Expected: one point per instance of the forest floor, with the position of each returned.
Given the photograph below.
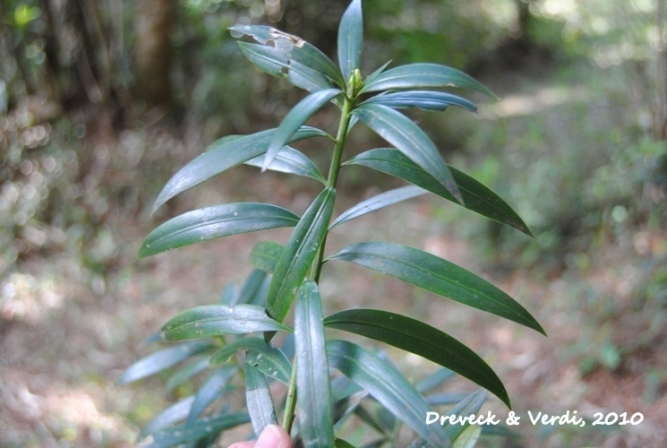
(67, 334)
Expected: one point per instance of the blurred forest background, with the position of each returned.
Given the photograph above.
(102, 100)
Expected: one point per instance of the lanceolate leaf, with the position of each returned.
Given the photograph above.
(387, 385)
(438, 276)
(421, 339)
(213, 388)
(174, 413)
(222, 156)
(215, 222)
(377, 202)
(295, 118)
(299, 254)
(434, 380)
(314, 393)
(258, 400)
(350, 37)
(291, 161)
(408, 138)
(186, 372)
(202, 428)
(470, 405)
(420, 75)
(270, 360)
(468, 438)
(465, 406)
(265, 255)
(217, 320)
(422, 99)
(251, 288)
(274, 63)
(163, 359)
(292, 48)
(476, 197)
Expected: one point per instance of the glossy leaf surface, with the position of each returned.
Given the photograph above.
(218, 320)
(222, 156)
(276, 64)
(270, 360)
(421, 339)
(291, 161)
(296, 117)
(293, 48)
(420, 75)
(258, 400)
(422, 99)
(377, 202)
(387, 385)
(350, 38)
(162, 360)
(299, 254)
(438, 276)
(314, 393)
(215, 222)
(476, 197)
(408, 138)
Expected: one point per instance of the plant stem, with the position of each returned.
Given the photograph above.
(290, 404)
(334, 168)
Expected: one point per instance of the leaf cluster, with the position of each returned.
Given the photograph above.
(328, 380)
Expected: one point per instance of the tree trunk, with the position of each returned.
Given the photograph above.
(152, 55)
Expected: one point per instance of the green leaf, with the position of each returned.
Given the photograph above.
(296, 117)
(222, 156)
(293, 48)
(215, 222)
(377, 202)
(202, 428)
(258, 400)
(265, 255)
(270, 360)
(421, 75)
(387, 385)
(476, 197)
(350, 39)
(276, 64)
(213, 388)
(218, 320)
(468, 438)
(186, 372)
(422, 99)
(162, 360)
(299, 254)
(251, 288)
(408, 138)
(421, 339)
(174, 413)
(434, 380)
(291, 161)
(438, 276)
(340, 443)
(314, 393)
(470, 405)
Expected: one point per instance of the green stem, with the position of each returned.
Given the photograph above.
(334, 168)
(290, 404)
